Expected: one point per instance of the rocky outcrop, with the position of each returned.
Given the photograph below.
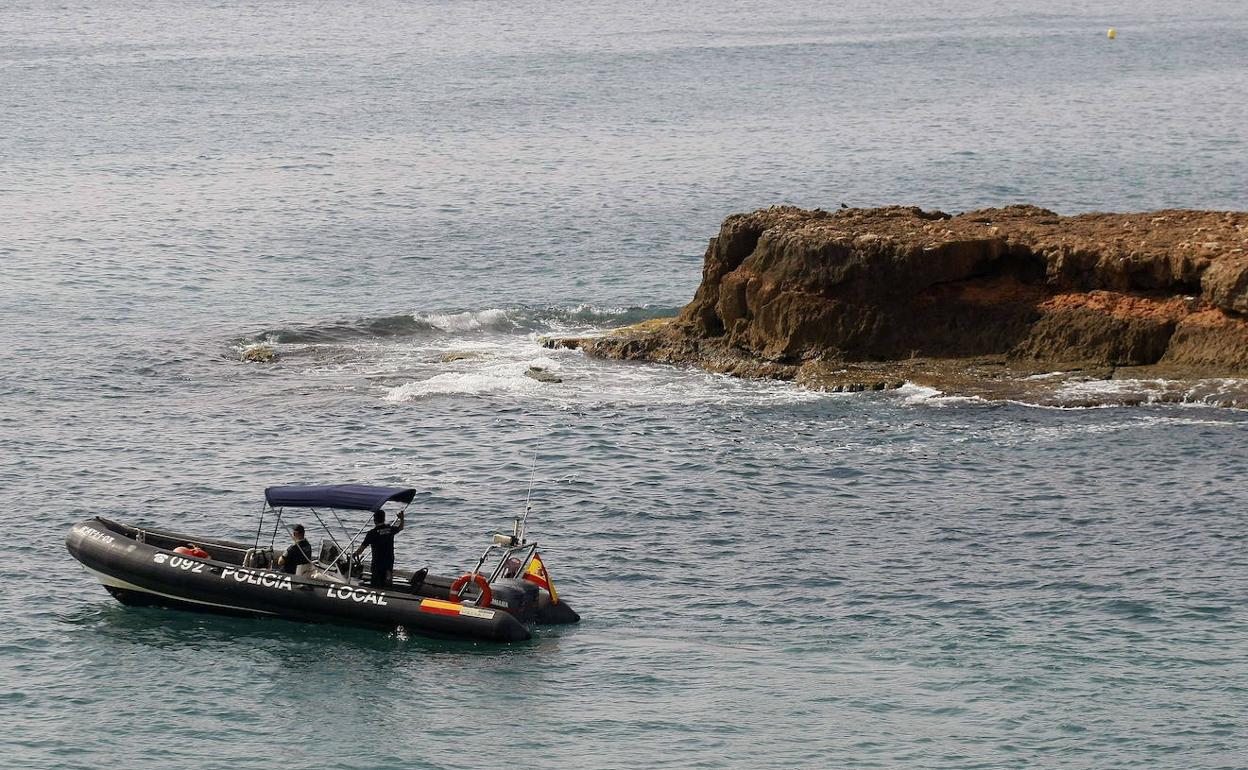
(801, 294)
(259, 354)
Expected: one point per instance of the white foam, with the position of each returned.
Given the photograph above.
(502, 346)
(586, 320)
(579, 319)
(1109, 388)
(477, 378)
(1204, 392)
(914, 395)
(500, 371)
(468, 321)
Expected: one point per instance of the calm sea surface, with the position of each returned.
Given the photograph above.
(768, 577)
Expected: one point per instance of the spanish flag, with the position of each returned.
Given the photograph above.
(537, 573)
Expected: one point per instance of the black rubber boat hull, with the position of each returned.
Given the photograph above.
(141, 574)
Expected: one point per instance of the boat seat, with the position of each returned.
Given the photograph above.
(418, 578)
(303, 570)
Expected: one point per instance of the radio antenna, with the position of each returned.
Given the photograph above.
(522, 526)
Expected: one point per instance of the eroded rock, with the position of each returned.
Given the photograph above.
(795, 294)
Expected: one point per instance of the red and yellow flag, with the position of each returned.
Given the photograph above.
(537, 573)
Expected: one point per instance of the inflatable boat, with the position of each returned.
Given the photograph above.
(501, 599)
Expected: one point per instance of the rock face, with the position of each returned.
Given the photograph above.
(787, 292)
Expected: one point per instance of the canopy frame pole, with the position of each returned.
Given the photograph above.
(351, 556)
(338, 519)
(277, 523)
(255, 546)
(333, 540)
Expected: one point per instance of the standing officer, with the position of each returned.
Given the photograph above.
(381, 539)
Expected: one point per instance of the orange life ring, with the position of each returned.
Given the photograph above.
(487, 595)
(197, 552)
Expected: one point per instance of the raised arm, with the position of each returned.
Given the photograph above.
(399, 522)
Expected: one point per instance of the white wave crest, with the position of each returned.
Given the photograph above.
(914, 395)
(244, 347)
(549, 318)
(468, 321)
(917, 394)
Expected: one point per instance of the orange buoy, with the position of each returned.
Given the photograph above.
(462, 581)
(192, 550)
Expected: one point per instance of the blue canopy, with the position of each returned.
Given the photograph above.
(351, 497)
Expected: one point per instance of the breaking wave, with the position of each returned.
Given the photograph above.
(521, 319)
(912, 394)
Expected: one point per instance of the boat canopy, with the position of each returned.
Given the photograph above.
(351, 497)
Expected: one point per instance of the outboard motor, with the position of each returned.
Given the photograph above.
(518, 597)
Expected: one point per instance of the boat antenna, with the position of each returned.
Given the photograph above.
(522, 523)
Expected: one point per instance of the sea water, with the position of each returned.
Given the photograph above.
(402, 198)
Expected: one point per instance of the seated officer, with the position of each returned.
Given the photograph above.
(299, 552)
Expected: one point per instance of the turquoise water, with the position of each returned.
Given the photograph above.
(768, 577)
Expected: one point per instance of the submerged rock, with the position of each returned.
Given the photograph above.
(260, 354)
(541, 374)
(861, 298)
(459, 355)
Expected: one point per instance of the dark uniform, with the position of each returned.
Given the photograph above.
(299, 552)
(381, 539)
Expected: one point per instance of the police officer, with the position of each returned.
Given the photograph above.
(381, 539)
(299, 551)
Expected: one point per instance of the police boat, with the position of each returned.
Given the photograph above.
(500, 599)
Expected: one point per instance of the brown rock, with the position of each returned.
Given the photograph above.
(785, 283)
(1018, 286)
(259, 354)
